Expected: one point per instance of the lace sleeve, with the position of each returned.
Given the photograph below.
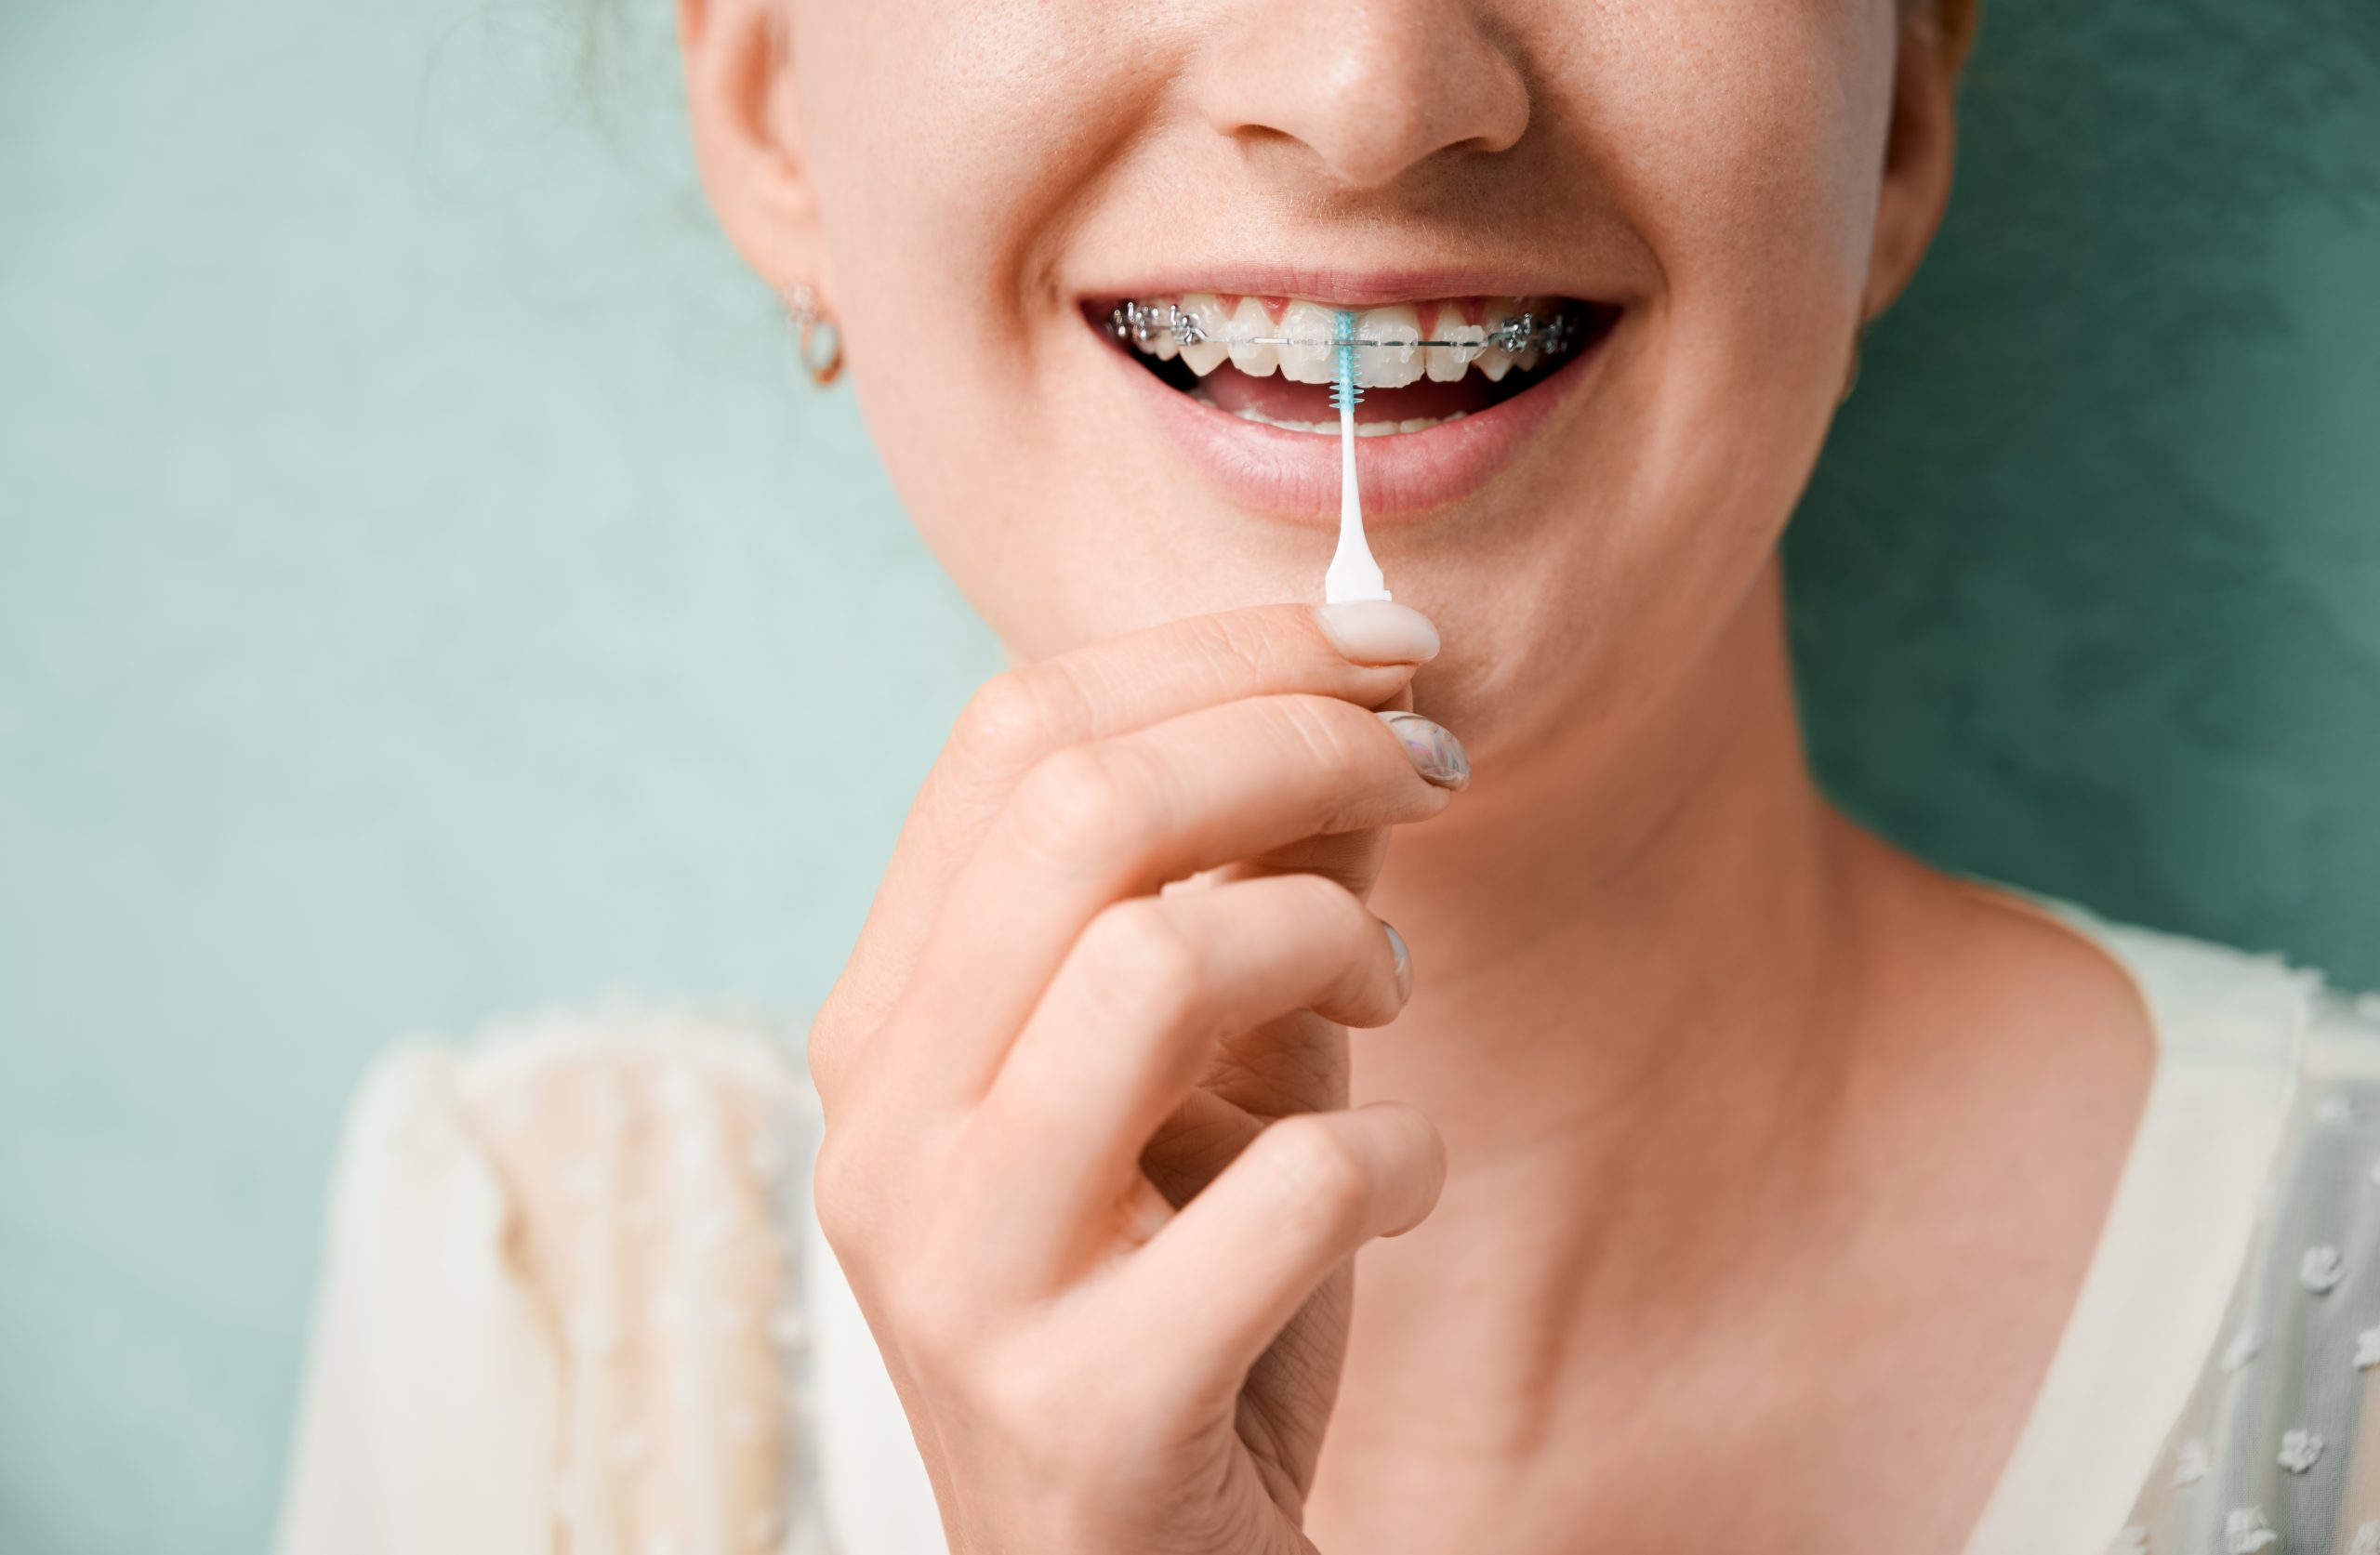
(2278, 1452)
(561, 1307)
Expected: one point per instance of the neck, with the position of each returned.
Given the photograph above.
(1636, 962)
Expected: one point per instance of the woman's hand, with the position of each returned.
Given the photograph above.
(1087, 1163)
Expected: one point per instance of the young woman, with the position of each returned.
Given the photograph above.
(1746, 1183)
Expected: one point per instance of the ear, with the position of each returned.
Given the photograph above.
(1919, 147)
(741, 102)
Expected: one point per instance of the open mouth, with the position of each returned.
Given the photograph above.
(1272, 360)
(1455, 388)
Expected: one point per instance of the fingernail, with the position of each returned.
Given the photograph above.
(1436, 753)
(1378, 631)
(1404, 961)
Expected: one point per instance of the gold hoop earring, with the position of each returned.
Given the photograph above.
(1851, 374)
(810, 320)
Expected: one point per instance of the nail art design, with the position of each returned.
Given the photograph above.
(1404, 960)
(1436, 753)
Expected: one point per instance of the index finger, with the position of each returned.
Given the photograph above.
(1364, 651)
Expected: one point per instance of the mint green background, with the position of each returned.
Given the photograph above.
(425, 591)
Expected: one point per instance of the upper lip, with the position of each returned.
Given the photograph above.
(1350, 288)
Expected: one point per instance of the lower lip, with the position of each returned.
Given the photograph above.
(1402, 474)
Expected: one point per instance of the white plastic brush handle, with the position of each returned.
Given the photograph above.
(1353, 575)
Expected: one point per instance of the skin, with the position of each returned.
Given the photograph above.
(1767, 1160)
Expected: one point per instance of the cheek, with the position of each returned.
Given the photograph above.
(1749, 139)
(940, 128)
(1750, 145)
(1741, 141)
(1743, 122)
(953, 144)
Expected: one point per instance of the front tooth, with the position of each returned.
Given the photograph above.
(1208, 354)
(1389, 366)
(1249, 322)
(1448, 363)
(1313, 328)
(1493, 362)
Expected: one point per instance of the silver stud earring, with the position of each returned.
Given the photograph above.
(820, 339)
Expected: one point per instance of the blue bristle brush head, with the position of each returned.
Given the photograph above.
(1346, 394)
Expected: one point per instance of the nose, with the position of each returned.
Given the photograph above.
(1368, 88)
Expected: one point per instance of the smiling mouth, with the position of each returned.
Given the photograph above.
(1422, 365)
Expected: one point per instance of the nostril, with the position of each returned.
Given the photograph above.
(1370, 95)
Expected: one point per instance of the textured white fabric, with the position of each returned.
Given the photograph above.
(2275, 1449)
(428, 1418)
(2229, 1032)
(877, 1499)
(444, 1396)
(561, 1311)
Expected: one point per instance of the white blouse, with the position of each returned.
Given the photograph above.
(574, 1299)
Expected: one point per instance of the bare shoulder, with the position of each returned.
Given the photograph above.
(2032, 991)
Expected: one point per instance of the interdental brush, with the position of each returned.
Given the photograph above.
(1353, 575)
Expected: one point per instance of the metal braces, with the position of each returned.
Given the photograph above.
(1140, 323)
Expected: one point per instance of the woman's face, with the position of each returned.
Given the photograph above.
(1711, 191)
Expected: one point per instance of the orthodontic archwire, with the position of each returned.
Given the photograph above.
(1139, 322)
(1352, 573)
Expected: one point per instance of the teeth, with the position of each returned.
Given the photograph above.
(1249, 322)
(1330, 429)
(1495, 363)
(1449, 364)
(1392, 356)
(1388, 366)
(1312, 325)
(1208, 354)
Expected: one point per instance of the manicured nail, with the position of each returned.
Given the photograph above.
(1378, 631)
(1436, 753)
(1404, 962)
